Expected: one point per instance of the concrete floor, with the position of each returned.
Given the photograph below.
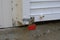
(50, 31)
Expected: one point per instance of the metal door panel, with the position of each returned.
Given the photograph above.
(50, 9)
(47, 17)
(43, 0)
(46, 10)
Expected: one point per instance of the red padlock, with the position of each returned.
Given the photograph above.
(32, 27)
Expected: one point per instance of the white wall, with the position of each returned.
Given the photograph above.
(5, 13)
(1, 13)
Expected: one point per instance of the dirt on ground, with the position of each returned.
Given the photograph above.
(49, 31)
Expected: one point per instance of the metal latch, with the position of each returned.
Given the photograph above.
(26, 19)
(30, 20)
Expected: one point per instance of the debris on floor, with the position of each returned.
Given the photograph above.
(42, 32)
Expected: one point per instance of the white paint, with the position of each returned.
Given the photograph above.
(26, 8)
(50, 9)
(1, 16)
(43, 0)
(43, 4)
(5, 13)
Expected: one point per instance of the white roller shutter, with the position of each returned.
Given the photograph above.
(50, 9)
(41, 10)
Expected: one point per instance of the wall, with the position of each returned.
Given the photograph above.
(17, 12)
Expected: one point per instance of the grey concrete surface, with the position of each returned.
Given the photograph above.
(50, 31)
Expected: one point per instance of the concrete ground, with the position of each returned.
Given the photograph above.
(49, 31)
